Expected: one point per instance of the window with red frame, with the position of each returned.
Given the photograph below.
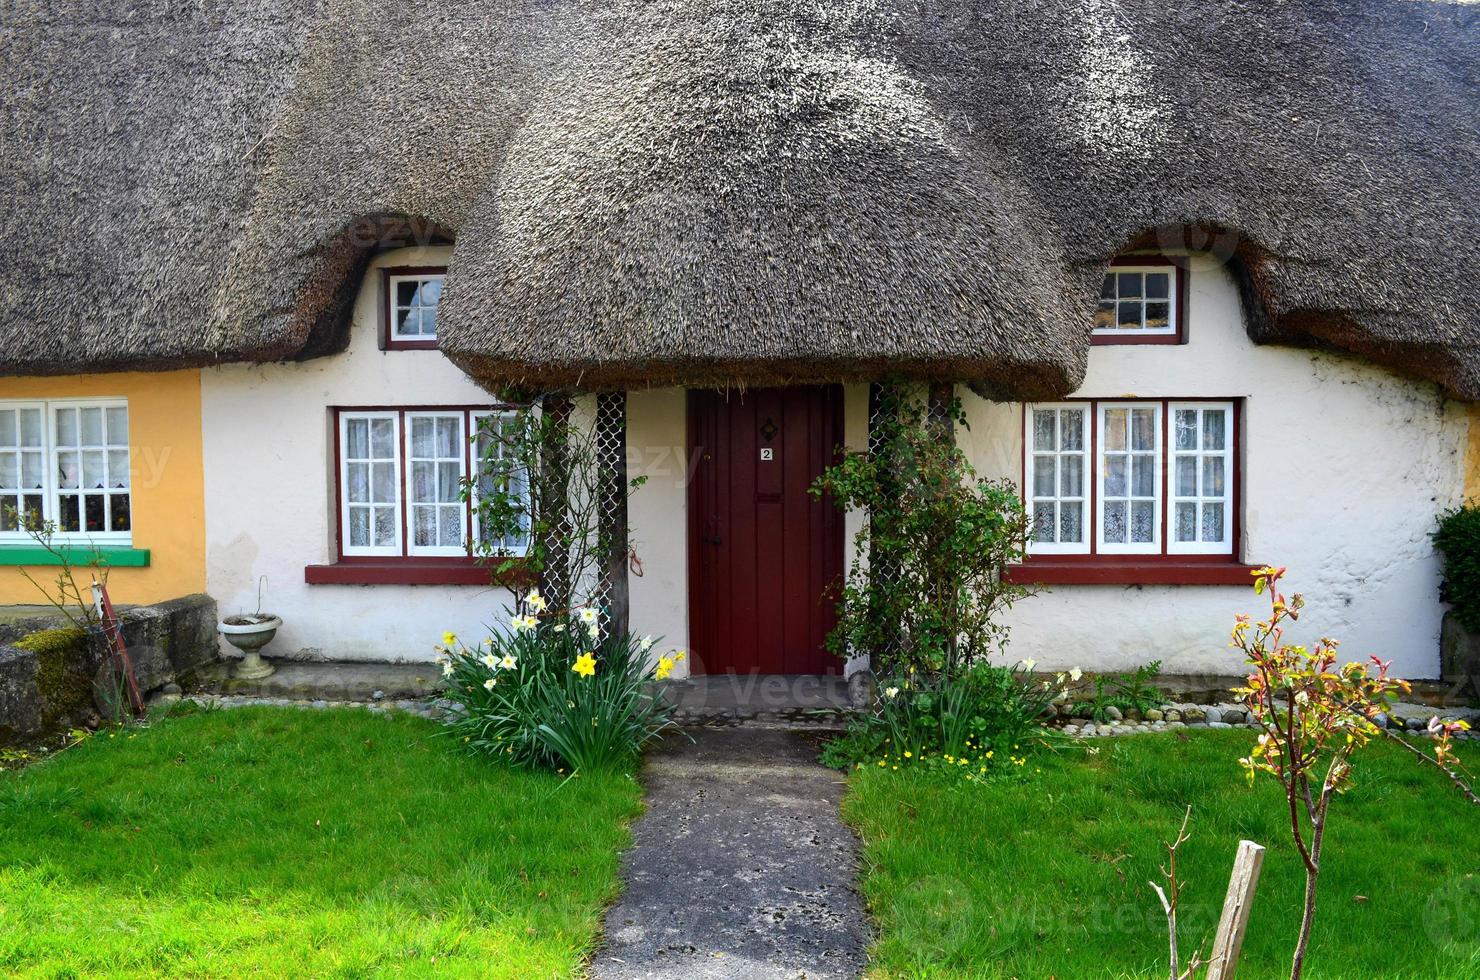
(1143, 300)
(401, 474)
(1122, 479)
(409, 302)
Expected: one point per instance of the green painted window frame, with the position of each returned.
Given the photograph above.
(114, 556)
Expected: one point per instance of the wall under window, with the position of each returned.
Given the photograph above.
(166, 491)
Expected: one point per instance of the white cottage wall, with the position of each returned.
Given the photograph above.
(1345, 466)
(270, 492)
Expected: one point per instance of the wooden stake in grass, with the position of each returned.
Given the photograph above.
(1235, 919)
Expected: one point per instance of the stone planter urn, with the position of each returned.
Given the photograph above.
(250, 634)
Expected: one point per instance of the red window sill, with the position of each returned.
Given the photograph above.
(1100, 571)
(406, 572)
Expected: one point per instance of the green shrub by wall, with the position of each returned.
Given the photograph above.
(1458, 540)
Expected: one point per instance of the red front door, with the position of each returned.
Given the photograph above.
(764, 556)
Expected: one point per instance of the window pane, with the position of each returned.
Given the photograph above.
(1158, 316)
(1186, 428)
(34, 517)
(67, 472)
(1071, 476)
(431, 292)
(1143, 429)
(383, 438)
(1043, 476)
(383, 486)
(1213, 425)
(1129, 317)
(449, 437)
(1105, 316)
(423, 481)
(67, 426)
(1071, 429)
(93, 509)
(1107, 288)
(32, 467)
(1212, 522)
(8, 431)
(1043, 431)
(424, 526)
(357, 439)
(406, 292)
(357, 482)
(359, 527)
(385, 526)
(1187, 476)
(1158, 285)
(1071, 523)
(1115, 429)
(10, 471)
(118, 512)
(408, 323)
(1186, 523)
(1143, 517)
(1043, 517)
(118, 468)
(10, 512)
(449, 530)
(118, 427)
(1115, 476)
(421, 437)
(92, 427)
(449, 481)
(93, 472)
(70, 517)
(429, 322)
(1212, 476)
(1115, 522)
(1129, 284)
(1143, 476)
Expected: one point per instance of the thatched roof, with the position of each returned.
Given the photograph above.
(734, 191)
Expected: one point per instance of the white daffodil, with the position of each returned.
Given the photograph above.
(489, 661)
(488, 684)
(447, 669)
(646, 644)
(508, 663)
(1075, 674)
(588, 615)
(891, 692)
(1028, 665)
(558, 627)
(535, 601)
(593, 631)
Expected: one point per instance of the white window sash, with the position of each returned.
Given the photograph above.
(1200, 547)
(371, 550)
(1029, 495)
(394, 307)
(517, 549)
(409, 503)
(1172, 299)
(1158, 463)
(51, 491)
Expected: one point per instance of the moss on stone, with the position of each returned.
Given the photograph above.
(62, 674)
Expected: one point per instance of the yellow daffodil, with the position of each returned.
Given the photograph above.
(665, 667)
(448, 639)
(585, 665)
(677, 656)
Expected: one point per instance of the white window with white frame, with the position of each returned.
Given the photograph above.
(1201, 479)
(401, 480)
(1058, 477)
(1131, 478)
(492, 433)
(413, 306)
(65, 462)
(1138, 300)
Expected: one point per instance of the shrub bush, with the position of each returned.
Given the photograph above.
(1458, 540)
(982, 721)
(548, 692)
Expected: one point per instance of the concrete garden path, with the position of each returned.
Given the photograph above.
(741, 866)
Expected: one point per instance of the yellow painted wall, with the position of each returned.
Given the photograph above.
(168, 488)
(1472, 455)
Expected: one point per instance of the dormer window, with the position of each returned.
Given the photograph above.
(411, 297)
(1142, 301)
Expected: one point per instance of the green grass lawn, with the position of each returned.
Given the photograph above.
(301, 843)
(1049, 877)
